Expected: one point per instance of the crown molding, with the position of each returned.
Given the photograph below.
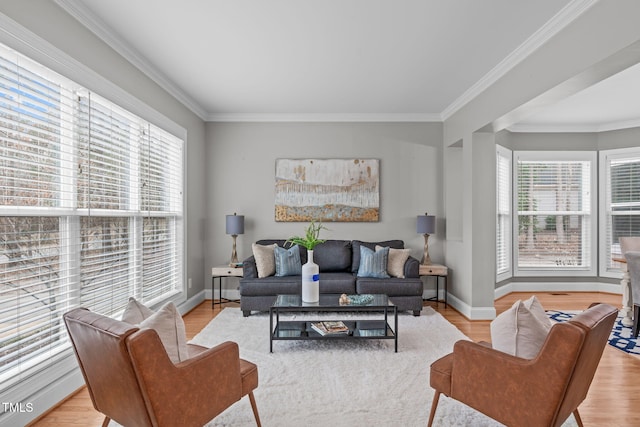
(558, 22)
(574, 128)
(322, 117)
(82, 14)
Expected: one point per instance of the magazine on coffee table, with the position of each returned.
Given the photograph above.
(328, 328)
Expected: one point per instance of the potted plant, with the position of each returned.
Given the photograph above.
(310, 239)
(310, 271)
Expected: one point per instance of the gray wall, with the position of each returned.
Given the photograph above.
(240, 178)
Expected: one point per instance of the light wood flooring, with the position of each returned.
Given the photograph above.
(612, 399)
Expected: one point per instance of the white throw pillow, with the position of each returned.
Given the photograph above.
(396, 261)
(518, 332)
(265, 259)
(535, 307)
(135, 312)
(169, 325)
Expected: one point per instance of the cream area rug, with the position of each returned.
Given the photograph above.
(342, 383)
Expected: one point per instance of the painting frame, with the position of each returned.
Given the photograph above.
(327, 190)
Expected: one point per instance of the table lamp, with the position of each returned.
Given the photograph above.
(426, 225)
(235, 226)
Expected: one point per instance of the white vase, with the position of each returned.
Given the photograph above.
(310, 280)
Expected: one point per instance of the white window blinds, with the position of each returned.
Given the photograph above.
(555, 203)
(91, 211)
(503, 212)
(621, 207)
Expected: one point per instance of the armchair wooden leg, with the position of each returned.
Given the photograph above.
(255, 409)
(576, 415)
(434, 405)
(106, 421)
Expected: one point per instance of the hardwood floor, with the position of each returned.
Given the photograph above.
(612, 399)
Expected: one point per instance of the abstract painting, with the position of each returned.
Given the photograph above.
(341, 190)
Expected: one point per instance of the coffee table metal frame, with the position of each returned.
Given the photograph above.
(329, 303)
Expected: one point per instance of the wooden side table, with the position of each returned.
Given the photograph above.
(437, 271)
(218, 273)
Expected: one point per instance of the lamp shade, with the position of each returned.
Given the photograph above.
(426, 224)
(235, 224)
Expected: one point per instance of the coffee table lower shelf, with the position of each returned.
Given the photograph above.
(358, 330)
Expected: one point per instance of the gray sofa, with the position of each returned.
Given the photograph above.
(338, 261)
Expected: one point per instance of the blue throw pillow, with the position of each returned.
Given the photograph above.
(373, 264)
(287, 261)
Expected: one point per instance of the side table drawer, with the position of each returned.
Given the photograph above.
(226, 271)
(433, 270)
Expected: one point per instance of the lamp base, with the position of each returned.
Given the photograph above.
(426, 260)
(234, 254)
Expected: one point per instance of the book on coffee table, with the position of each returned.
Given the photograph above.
(328, 328)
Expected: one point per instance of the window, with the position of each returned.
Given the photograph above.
(555, 201)
(91, 211)
(503, 213)
(620, 189)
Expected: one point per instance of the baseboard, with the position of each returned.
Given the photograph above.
(233, 294)
(471, 313)
(192, 302)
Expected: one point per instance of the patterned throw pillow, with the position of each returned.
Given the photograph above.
(288, 261)
(265, 259)
(397, 259)
(373, 264)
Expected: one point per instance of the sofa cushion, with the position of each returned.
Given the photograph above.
(265, 259)
(272, 285)
(373, 264)
(397, 259)
(355, 262)
(391, 287)
(333, 255)
(337, 283)
(287, 261)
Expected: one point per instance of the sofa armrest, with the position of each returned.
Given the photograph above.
(412, 268)
(249, 269)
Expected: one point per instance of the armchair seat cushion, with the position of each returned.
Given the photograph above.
(440, 378)
(249, 374)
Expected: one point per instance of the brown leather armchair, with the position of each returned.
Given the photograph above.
(519, 392)
(132, 380)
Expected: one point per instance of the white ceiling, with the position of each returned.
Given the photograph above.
(405, 60)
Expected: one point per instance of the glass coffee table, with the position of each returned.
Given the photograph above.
(357, 329)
